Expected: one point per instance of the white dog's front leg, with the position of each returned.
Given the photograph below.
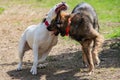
(35, 63)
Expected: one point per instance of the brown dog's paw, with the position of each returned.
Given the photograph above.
(41, 66)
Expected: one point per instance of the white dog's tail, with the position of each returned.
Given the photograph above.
(21, 49)
(22, 43)
(23, 46)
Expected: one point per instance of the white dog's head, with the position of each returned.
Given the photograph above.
(56, 9)
(53, 13)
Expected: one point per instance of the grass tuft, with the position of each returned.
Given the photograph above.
(1, 10)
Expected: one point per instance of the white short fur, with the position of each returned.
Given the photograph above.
(39, 39)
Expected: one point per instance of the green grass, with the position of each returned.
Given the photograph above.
(108, 11)
(110, 30)
(113, 33)
(1, 10)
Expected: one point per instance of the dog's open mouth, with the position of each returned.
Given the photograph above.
(61, 7)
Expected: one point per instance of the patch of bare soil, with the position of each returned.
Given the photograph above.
(64, 61)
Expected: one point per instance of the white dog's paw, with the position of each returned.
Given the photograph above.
(42, 65)
(19, 67)
(33, 70)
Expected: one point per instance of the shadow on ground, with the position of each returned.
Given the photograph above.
(68, 66)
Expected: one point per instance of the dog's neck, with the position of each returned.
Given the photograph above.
(67, 30)
(47, 20)
(46, 23)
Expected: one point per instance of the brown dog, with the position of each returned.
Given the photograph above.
(82, 26)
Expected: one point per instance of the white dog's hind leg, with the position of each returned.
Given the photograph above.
(43, 58)
(21, 54)
(21, 51)
(35, 63)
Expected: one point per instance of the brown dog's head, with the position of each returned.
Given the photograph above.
(59, 24)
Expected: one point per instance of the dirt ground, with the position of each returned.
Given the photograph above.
(64, 61)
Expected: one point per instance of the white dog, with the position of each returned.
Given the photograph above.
(39, 39)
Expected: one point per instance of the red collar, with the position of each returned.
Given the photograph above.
(67, 30)
(46, 23)
(68, 27)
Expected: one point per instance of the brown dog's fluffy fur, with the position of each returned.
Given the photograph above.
(84, 28)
